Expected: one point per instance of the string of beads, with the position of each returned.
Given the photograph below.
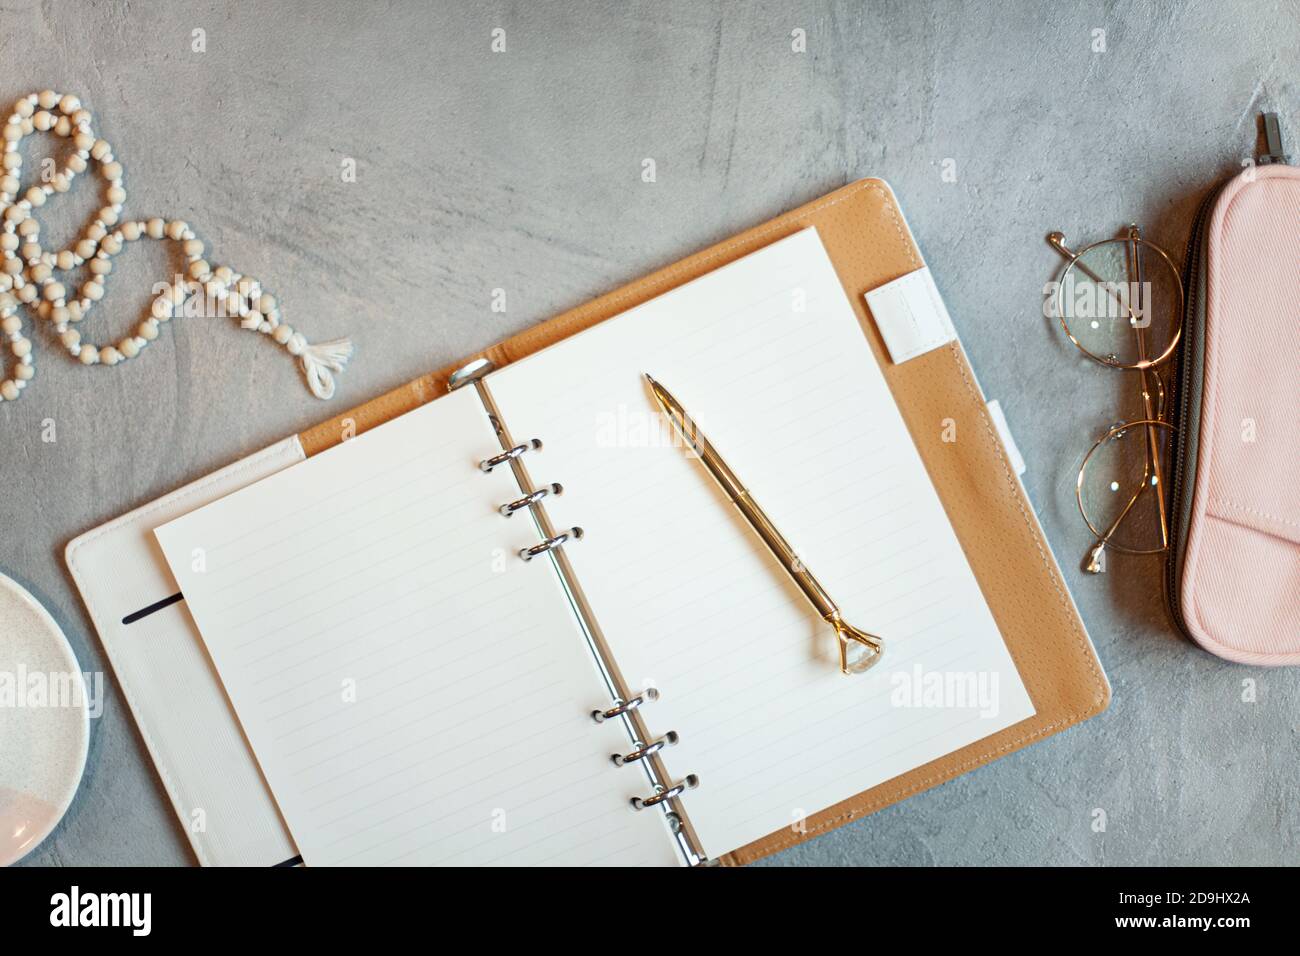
(31, 275)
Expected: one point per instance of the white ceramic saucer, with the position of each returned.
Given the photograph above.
(44, 723)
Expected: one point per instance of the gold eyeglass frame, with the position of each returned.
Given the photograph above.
(1154, 406)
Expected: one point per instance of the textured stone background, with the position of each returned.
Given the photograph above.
(521, 170)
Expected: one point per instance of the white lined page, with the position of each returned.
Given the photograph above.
(413, 691)
(768, 357)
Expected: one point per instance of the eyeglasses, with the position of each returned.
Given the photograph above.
(1120, 301)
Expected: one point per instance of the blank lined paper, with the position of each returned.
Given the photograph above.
(768, 357)
(414, 692)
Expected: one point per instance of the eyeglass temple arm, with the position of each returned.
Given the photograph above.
(1120, 517)
(1094, 555)
(1152, 466)
(1057, 241)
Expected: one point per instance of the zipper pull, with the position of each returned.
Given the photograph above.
(1273, 142)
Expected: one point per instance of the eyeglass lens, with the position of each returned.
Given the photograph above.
(1120, 490)
(1121, 301)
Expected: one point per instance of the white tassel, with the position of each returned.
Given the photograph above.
(319, 360)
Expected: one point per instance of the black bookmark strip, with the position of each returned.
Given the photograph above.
(158, 606)
(155, 606)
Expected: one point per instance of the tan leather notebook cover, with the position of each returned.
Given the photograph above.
(869, 243)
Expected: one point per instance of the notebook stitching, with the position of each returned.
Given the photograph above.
(999, 450)
(1009, 745)
(692, 262)
(92, 604)
(166, 499)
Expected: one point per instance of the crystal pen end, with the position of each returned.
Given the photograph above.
(859, 651)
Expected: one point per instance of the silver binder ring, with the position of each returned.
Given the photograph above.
(550, 544)
(663, 796)
(554, 488)
(649, 695)
(648, 750)
(487, 464)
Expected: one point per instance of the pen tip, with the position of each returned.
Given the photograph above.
(649, 378)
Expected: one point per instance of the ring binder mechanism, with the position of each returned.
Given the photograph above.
(641, 753)
(551, 543)
(670, 793)
(625, 706)
(553, 489)
(510, 454)
(664, 794)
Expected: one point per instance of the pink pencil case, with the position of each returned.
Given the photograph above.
(1234, 560)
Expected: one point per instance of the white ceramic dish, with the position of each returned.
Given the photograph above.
(44, 723)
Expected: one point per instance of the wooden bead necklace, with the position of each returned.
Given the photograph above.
(29, 275)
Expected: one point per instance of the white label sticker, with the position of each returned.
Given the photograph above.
(1004, 432)
(911, 315)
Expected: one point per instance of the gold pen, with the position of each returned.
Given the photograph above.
(867, 648)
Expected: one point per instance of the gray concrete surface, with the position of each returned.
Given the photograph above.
(521, 170)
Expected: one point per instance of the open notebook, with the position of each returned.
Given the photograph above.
(414, 692)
